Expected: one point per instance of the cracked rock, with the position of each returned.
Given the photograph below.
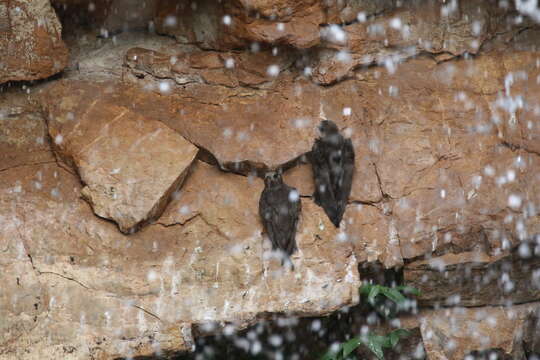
(31, 41)
(205, 260)
(130, 164)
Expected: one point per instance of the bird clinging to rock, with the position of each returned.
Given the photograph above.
(279, 209)
(332, 158)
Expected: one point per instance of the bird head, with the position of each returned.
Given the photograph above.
(328, 127)
(273, 178)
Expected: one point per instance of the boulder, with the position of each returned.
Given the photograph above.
(505, 332)
(94, 292)
(31, 41)
(130, 164)
(422, 157)
(475, 278)
(23, 132)
(231, 25)
(231, 108)
(443, 29)
(106, 18)
(426, 145)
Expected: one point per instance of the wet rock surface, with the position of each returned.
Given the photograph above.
(446, 186)
(130, 164)
(31, 41)
(498, 330)
(23, 133)
(474, 278)
(203, 261)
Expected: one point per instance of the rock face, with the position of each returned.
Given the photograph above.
(229, 25)
(130, 164)
(504, 332)
(23, 134)
(431, 27)
(31, 41)
(439, 99)
(234, 124)
(103, 294)
(342, 35)
(106, 17)
(474, 278)
(425, 176)
(416, 175)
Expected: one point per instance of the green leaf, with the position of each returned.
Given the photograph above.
(331, 355)
(393, 294)
(375, 343)
(409, 290)
(375, 290)
(365, 289)
(350, 346)
(395, 335)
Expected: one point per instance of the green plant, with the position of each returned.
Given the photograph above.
(387, 302)
(375, 343)
(378, 295)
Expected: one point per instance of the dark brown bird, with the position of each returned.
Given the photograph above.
(332, 158)
(279, 209)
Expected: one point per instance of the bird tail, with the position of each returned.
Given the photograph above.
(287, 262)
(285, 258)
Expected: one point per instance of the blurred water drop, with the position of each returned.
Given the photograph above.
(229, 63)
(273, 70)
(227, 20)
(361, 17)
(395, 23)
(170, 21)
(514, 201)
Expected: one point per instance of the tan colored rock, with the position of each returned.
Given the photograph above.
(516, 109)
(22, 296)
(426, 144)
(31, 41)
(439, 157)
(241, 23)
(76, 319)
(298, 26)
(434, 27)
(475, 278)
(454, 333)
(23, 132)
(199, 23)
(508, 332)
(104, 294)
(424, 137)
(347, 11)
(374, 235)
(200, 69)
(258, 138)
(232, 25)
(106, 18)
(130, 164)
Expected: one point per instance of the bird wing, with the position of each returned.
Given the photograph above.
(348, 169)
(345, 183)
(295, 210)
(287, 219)
(323, 194)
(267, 214)
(280, 217)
